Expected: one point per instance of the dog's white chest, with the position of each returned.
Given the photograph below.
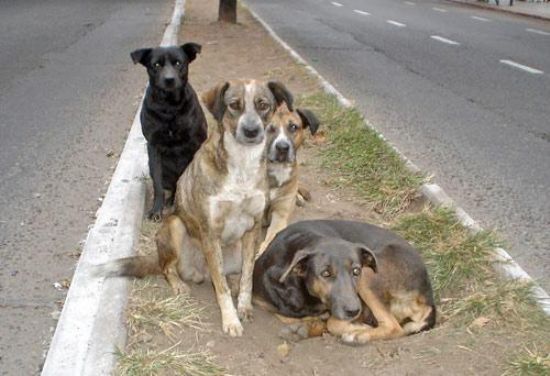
(280, 173)
(240, 203)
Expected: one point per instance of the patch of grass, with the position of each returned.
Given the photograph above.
(530, 362)
(457, 260)
(151, 311)
(166, 362)
(362, 158)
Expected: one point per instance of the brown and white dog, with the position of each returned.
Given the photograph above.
(285, 135)
(220, 201)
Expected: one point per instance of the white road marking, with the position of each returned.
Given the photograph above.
(362, 12)
(440, 10)
(536, 31)
(336, 4)
(444, 40)
(410, 3)
(480, 18)
(395, 23)
(521, 66)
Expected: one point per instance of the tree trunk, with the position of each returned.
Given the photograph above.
(228, 11)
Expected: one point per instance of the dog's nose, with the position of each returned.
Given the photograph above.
(282, 147)
(351, 313)
(251, 132)
(169, 81)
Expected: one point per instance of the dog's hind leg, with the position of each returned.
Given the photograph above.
(214, 258)
(169, 241)
(249, 244)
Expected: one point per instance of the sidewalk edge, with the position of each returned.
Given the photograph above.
(504, 263)
(501, 8)
(92, 327)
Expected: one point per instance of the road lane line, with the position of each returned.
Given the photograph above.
(537, 31)
(362, 12)
(410, 3)
(395, 23)
(521, 66)
(336, 4)
(445, 40)
(480, 18)
(440, 10)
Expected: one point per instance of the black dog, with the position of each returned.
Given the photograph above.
(361, 275)
(172, 119)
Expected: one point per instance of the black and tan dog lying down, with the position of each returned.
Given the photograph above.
(369, 282)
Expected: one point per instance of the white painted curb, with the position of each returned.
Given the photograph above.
(92, 326)
(504, 263)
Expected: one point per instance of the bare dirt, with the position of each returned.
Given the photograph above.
(245, 50)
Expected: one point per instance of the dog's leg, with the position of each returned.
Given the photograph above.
(249, 244)
(214, 258)
(299, 329)
(169, 241)
(155, 169)
(340, 327)
(279, 220)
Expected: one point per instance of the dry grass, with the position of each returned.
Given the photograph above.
(530, 362)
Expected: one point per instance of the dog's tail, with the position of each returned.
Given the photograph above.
(135, 266)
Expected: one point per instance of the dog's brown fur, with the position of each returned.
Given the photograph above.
(282, 174)
(220, 201)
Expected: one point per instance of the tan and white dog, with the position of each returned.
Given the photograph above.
(285, 135)
(220, 201)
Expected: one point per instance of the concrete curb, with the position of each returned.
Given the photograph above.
(504, 264)
(502, 8)
(91, 326)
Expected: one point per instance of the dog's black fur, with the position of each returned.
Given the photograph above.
(172, 119)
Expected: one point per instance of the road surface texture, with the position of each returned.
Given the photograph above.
(463, 92)
(68, 93)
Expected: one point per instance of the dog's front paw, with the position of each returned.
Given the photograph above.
(155, 215)
(233, 327)
(180, 287)
(245, 312)
(356, 338)
(294, 332)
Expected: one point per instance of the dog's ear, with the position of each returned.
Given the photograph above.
(141, 56)
(309, 119)
(281, 94)
(213, 100)
(367, 257)
(297, 265)
(191, 50)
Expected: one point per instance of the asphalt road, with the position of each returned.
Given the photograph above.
(68, 93)
(429, 76)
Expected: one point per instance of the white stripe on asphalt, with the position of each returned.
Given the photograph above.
(410, 3)
(521, 66)
(361, 12)
(440, 10)
(481, 18)
(444, 40)
(536, 31)
(336, 4)
(395, 23)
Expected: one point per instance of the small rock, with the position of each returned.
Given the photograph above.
(283, 350)
(210, 344)
(480, 322)
(55, 315)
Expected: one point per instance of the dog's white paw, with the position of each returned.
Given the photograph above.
(234, 328)
(180, 288)
(355, 338)
(245, 312)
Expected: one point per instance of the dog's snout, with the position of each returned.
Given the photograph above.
(169, 81)
(251, 131)
(282, 147)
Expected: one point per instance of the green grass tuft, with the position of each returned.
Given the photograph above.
(167, 362)
(362, 158)
(530, 362)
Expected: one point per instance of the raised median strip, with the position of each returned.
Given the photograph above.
(91, 326)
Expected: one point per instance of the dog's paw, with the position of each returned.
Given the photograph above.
(180, 288)
(233, 327)
(246, 312)
(355, 338)
(294, 332)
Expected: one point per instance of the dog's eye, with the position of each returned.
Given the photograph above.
(235, 105)
(271, 128)
(156, 65)
(325, 274)
(292, 127)
(263, 106)
(177, 63)
(356, 271)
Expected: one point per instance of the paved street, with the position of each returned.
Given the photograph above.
(463, 92)
(68, 93)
